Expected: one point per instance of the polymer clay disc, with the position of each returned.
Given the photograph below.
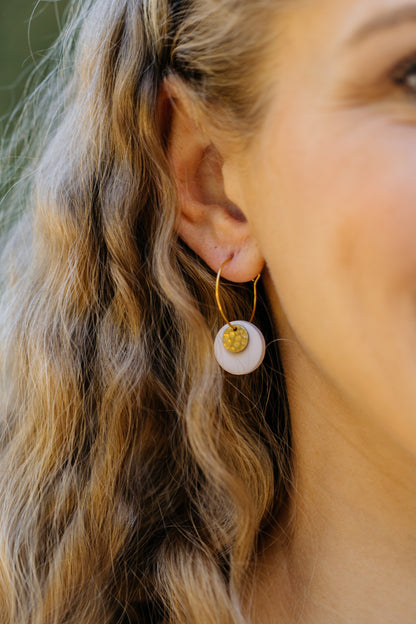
(246, 360)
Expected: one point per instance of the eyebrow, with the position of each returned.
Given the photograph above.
(389, 20)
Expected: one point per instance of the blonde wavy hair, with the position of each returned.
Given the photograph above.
(137, 479)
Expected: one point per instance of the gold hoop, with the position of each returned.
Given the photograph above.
(217, 295)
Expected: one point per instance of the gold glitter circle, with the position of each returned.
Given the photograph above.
(235, 339)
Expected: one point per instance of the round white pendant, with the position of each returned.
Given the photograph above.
(245, 361)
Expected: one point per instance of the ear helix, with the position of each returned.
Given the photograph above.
(239, 346)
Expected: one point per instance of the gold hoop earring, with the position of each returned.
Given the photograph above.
(239, 346)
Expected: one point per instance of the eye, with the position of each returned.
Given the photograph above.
(405, 75)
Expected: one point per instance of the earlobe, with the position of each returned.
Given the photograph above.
(209, 222)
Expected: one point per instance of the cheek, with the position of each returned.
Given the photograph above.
(341, 213)
(336, 220)
(374, 194)
(372, 245)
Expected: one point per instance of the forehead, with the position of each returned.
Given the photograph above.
(349, 19)
(316, 37)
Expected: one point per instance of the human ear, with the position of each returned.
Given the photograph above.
(209, 222)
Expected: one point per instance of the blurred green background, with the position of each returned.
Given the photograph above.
(27, 28)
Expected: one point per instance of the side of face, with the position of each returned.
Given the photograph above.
(329, 191)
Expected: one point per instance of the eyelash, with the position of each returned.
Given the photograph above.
(402, 73)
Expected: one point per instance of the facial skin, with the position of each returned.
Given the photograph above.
(328, 188)
(330, 192)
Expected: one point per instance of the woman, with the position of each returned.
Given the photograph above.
(140, 481)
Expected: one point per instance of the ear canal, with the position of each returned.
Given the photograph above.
(235, 212)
